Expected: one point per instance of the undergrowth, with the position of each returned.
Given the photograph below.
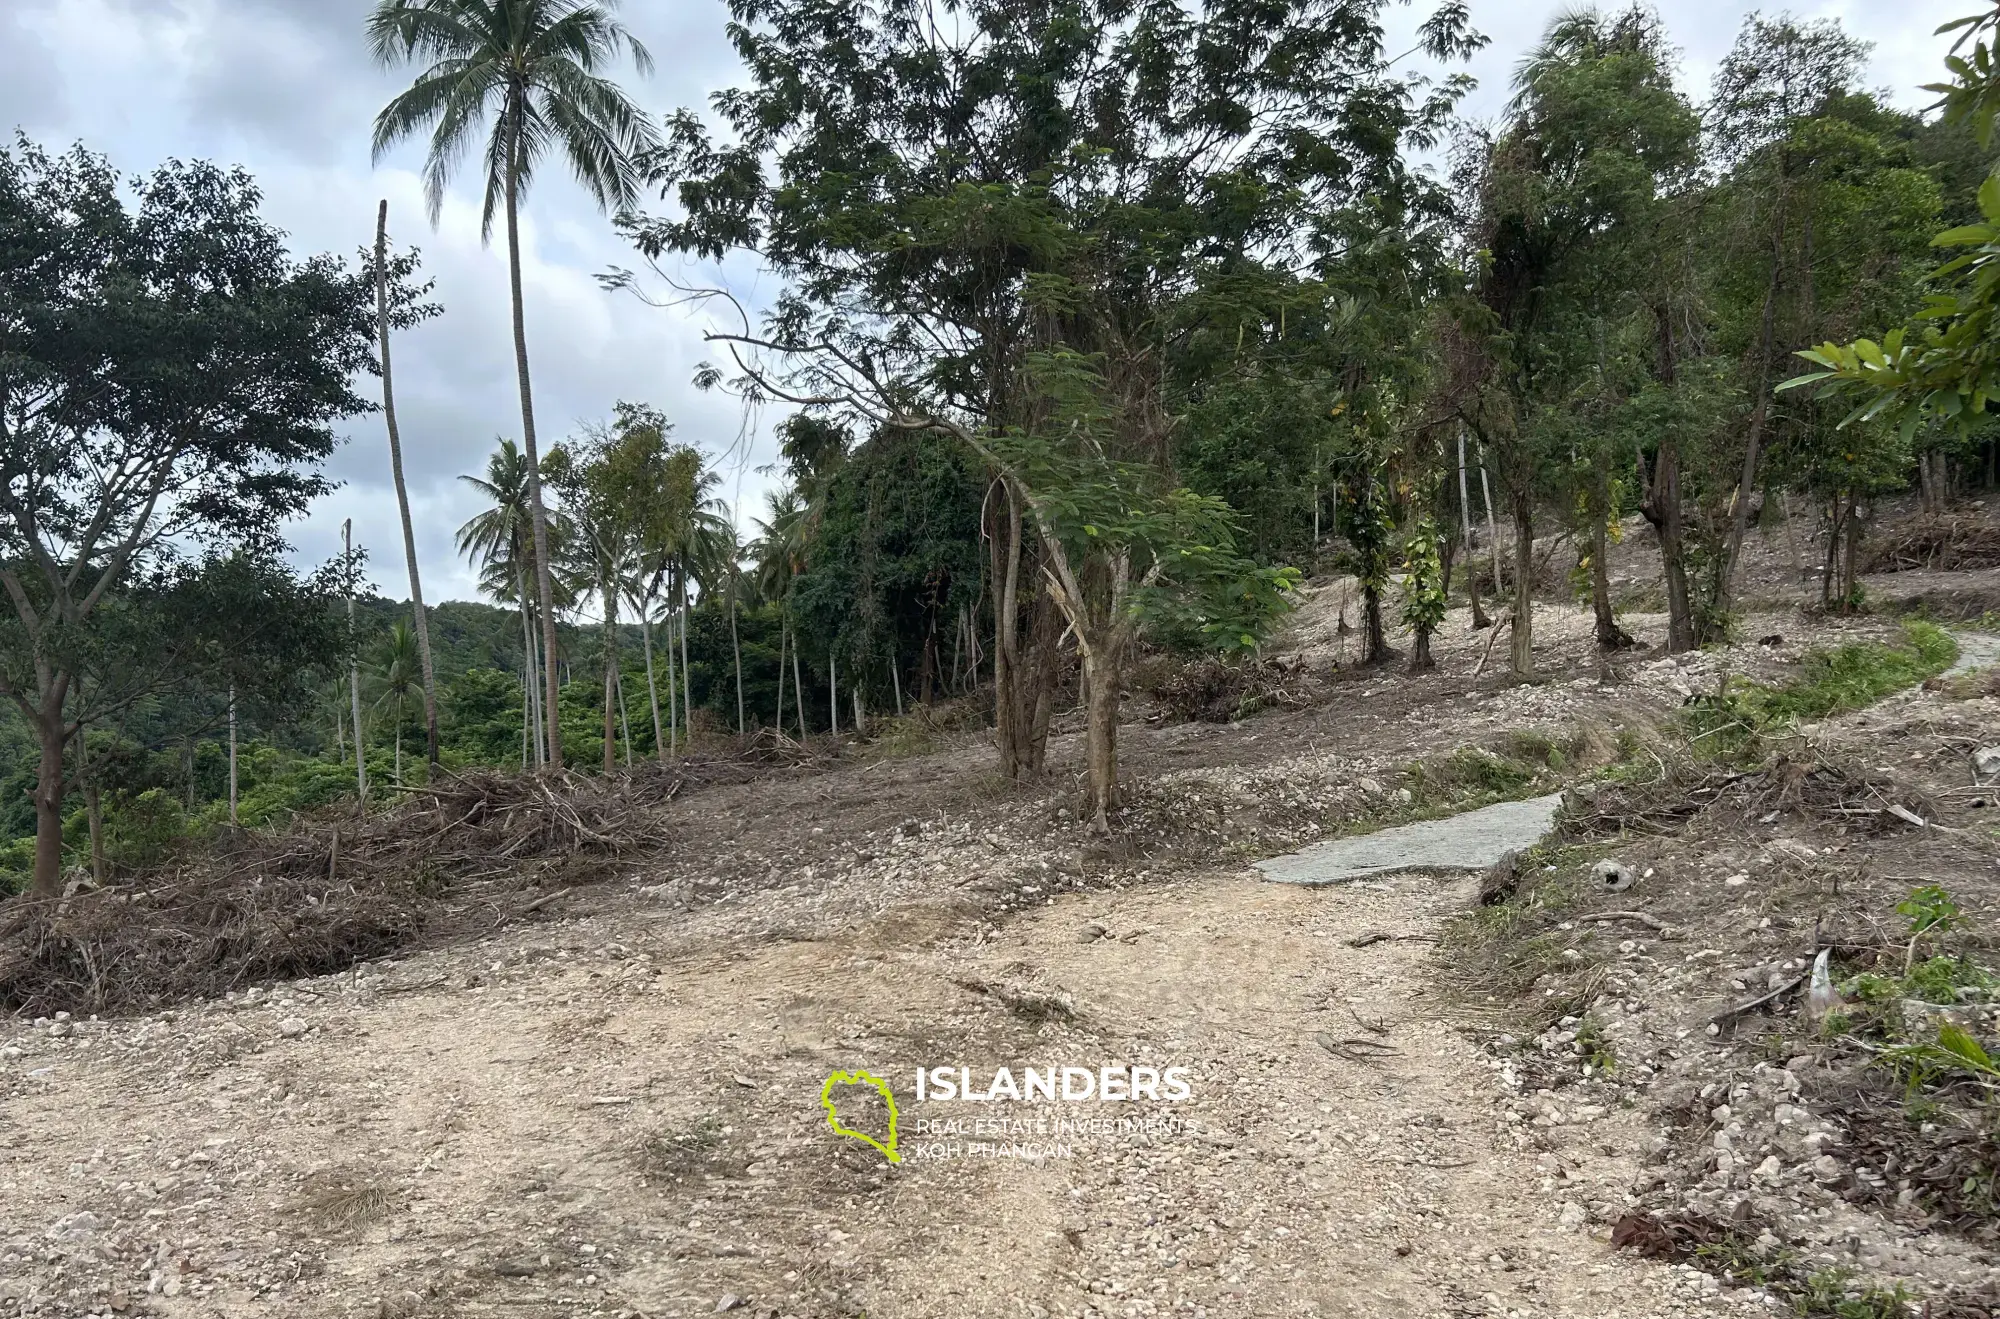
(1732, 724)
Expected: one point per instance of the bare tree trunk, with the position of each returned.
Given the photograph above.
(833, 693)
(1102, 683)
(784, 636)
(353, 681)
(736, 644)
(531, 674)
(687, 669)
(1610, 636)
(1009, 736)
(1479, 619)
(402, 491)
(1739, 521)
(896, 683)
(93, 800)
(624, 717)
(798, 686)
(538, 512)
(1492, 527)
(652, 686)
(1522, 642)
(53, 737)
(610, 672)
(1662, 508)
(1851, 557)
(232, 754)
(673, 692)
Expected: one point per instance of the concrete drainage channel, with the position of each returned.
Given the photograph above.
(1478, 839)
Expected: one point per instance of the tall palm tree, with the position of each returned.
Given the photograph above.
(779, 553)
(397, 677)
(382, 323)
(500, 541)
(532, 65)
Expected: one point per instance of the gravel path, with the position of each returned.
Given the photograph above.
(1976, 650)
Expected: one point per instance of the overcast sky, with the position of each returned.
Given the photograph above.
(285, 88)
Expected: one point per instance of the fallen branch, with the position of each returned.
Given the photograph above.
(1354, 1049)
(1650, 922)
(1730, 1014)
(1384, 936)
(542, 901)
(1507, 622)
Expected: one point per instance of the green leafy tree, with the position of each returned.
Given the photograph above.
(955, 193)
(1565, 198)
(171, 378)
(532, 66)
(1423, 590)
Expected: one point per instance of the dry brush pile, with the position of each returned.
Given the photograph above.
(452, 860)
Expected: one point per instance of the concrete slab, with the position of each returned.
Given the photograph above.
(1475, 840)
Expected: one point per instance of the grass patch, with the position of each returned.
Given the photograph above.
(1733, 724)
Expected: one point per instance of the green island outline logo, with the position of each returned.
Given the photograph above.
(888, 1097)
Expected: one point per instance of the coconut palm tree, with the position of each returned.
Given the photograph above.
(501, 542)
(532, 66)
(779, 553)
(405, 314)
(398, 676)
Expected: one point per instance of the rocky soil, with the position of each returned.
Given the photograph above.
(1398, 1106)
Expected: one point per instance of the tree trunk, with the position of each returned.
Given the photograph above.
(1009, 737)
(1102, 683)
(49, 731)
(896, 683)
(687, 669)
(232, 754)
(833, 693)
(531, 675)
(673, 693)
(1610, 636)
(402, 492)
(353, 686)
(1023, 653)
(1420, 651)
(610, 673)
(736, 645)
(798, 687)
(1851, 558)
(1522, 643)
(93, 800)
(624, 715)
(1376, 641)
(1662, 508)
(531, 723)
(1739, 521)
(652, 686)
(1492, 528)
(784, 638)
(1479, 619)
(538, 512)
